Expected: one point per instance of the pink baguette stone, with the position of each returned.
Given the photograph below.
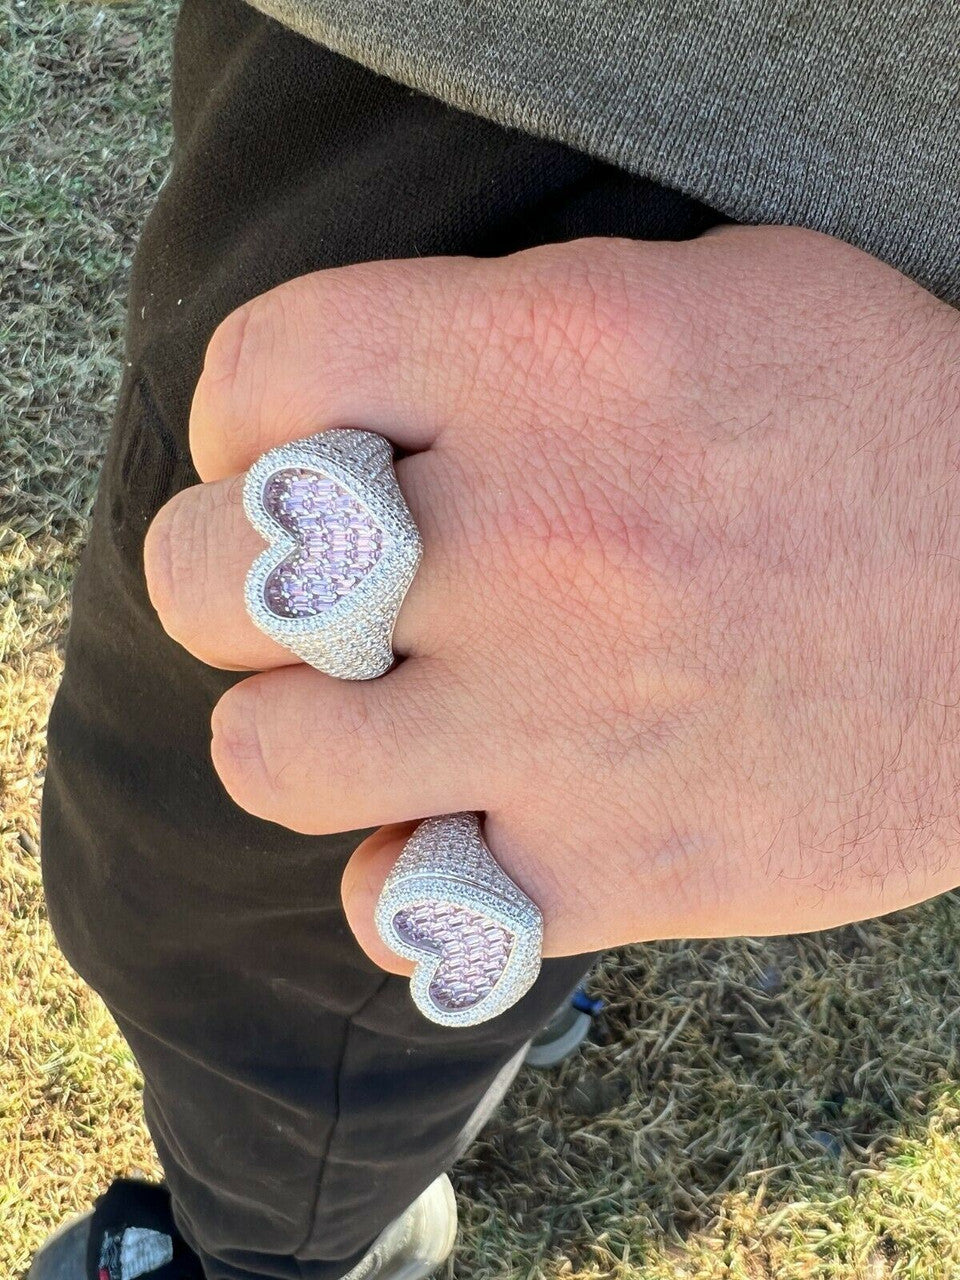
(473, 950)
(339, 542)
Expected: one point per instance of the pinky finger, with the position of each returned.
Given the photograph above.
(363, 880)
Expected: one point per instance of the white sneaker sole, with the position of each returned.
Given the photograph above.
(418, 1242)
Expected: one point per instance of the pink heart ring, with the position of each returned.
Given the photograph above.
(475, 935)
(343, 550)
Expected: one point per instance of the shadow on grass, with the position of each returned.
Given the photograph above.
(743, 1098)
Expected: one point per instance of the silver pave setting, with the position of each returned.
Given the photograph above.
(343, 550)
(475, 936)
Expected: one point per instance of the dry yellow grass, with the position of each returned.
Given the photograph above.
(69, 1091)
(751, 1109)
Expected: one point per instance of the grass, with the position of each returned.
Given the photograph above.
(750, 1109)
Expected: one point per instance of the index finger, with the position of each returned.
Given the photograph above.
(363, 345)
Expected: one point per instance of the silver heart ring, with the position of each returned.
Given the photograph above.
(343, 550)
(475, 935)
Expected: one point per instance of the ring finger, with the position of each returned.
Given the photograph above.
(319, 755)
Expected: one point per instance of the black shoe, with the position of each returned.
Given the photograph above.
(130, 1233)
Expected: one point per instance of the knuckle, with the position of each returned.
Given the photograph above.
(168, 553)
(567, 334)
(270, 765)
(239, 372)
(344, 720)
(229, 343)
(238, 751)
(246, 342)
(185, 560)
(252, 379)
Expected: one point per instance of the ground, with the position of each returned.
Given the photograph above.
(754, 1109)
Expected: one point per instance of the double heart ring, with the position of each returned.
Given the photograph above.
(343, 551)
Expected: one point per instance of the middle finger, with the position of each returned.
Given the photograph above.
(200, 547)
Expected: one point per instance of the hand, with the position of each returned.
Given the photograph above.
(687, 626)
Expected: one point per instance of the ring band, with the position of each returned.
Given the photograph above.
(475, 936)
(343, 550)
